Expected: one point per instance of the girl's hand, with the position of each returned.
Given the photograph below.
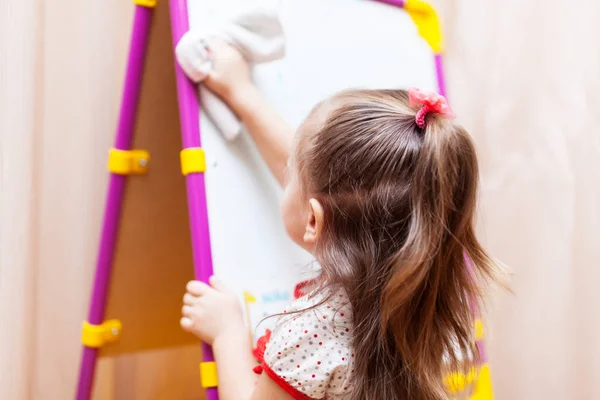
(230, 80)
(230, 75)
(211, 312)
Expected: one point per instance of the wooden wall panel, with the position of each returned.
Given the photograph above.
(153, 258)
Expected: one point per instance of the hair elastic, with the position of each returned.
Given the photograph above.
(429, 102)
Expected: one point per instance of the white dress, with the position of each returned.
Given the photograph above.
(309, 352)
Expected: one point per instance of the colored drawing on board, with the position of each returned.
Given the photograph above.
(259, 306)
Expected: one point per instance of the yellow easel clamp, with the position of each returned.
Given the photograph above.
(457, 382)
(208, 375)
(146, 3)
(193, 160)
(96, 336)
(483, 387)
(128, 162)
(478, 330)
(427, 21)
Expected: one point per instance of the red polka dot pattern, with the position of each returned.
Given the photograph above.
(312, 352)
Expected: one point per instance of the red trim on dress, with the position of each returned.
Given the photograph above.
(259, 353)
(261, 346)
(299, 289)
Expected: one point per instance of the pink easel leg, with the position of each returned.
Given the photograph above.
(441, 78)
(189, 110)
(116, 188)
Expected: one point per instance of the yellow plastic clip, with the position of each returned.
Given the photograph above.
(96, 336)
(146, 3)
(457, 382)
(483, 387)
(427, 21)
(193, 160)
(128, 162)
(478, 330)
(208, 375)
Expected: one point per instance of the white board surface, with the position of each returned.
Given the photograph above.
(331, 45)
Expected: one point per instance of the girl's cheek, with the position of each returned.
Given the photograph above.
(291, 213)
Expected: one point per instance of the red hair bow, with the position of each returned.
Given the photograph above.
(430, 102)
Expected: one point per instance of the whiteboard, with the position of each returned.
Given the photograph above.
(331, 45)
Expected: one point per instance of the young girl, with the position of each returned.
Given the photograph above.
(381, 187)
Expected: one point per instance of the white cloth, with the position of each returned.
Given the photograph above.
(309, 352)
(257, 34)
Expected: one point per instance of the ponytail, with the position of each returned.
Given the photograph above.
(427, 302)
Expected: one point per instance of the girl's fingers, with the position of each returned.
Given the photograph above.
(187, 311)
(186, 323)
(197, 288)
(220, 286)
(216, 284)
(189, 299)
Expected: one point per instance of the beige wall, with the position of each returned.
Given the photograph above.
(526, 83)
(62, 72)
(524, 78)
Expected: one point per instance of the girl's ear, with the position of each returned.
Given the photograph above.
(314, 224)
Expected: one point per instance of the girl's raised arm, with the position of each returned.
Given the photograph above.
(231, 80)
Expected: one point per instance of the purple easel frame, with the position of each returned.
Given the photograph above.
(438, 57)
(189, 111)
(116, 190)
(196, 191)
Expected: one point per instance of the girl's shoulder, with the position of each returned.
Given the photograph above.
(327, 314)
(309, 352)
(331, 308)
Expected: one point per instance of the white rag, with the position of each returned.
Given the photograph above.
(257, 34)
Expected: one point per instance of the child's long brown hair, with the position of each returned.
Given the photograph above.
(399, 205)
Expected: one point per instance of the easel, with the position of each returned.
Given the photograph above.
(124, 161)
